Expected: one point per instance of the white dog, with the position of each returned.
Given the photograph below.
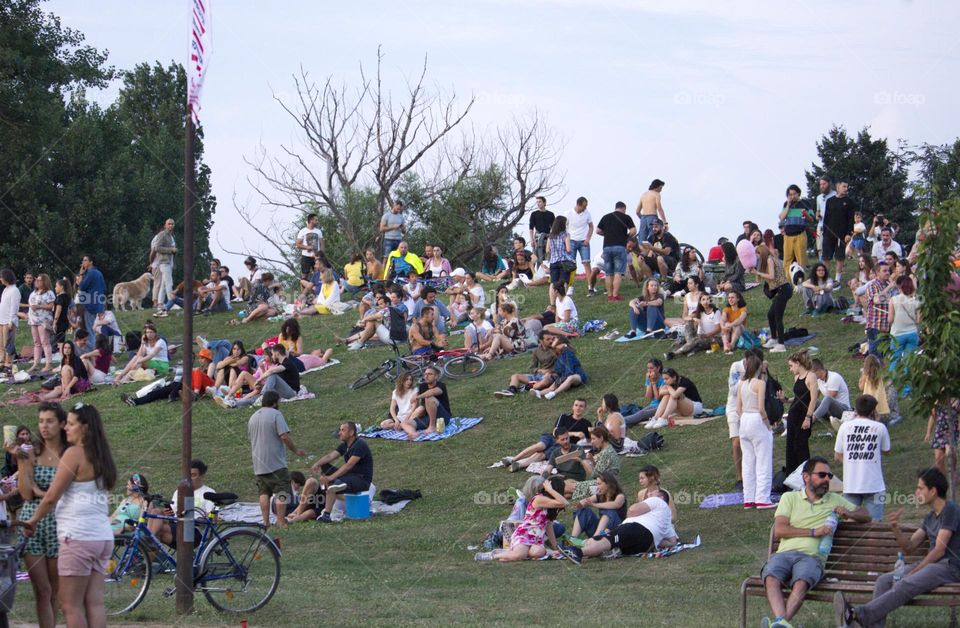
(132, 292)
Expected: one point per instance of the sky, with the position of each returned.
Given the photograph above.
(723, 101)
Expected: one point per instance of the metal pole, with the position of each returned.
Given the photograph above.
(185, 527)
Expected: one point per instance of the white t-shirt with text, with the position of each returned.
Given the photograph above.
(311, 238)
(861, 442)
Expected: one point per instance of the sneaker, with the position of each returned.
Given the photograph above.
(211, 391)
(549, 395)
(338, 486)
(354, 346)
(669, 355)
(770, 343)
(764, 622)
(226, 404)
(160, 314)
(780, 622)
(506, 460)
(483, 556)
(764, 506)
(845, 615)
(778, 348)
(657, 423)
(127, 399)
(612, 554)
(201, 341)
(631, 334)
(574, 554)
(500, 394)
(748, 505)
(258, 402)
(536, 393)
(325, 518)
(591, 292)
(515, 466)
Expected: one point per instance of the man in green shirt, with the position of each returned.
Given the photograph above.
(799, 524)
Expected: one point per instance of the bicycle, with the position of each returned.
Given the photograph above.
(229, 566)
(453, 363)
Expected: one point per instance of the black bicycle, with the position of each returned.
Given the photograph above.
(453, 363)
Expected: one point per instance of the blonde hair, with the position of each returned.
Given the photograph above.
(872, 370)
(802, 358)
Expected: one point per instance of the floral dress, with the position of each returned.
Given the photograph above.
(44, 542)
(946, 414)
(607, 460)
(532, 529)
(41, 318)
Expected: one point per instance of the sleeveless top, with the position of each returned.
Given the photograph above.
(779, 275)
(801, 399)
(749, 399)
(82, 513)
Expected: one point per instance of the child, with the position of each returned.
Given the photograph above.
(531, 533)
(459, 308)
(871, 383)
(862, 471)
(412, 289)
(858, 240)
(733, 320)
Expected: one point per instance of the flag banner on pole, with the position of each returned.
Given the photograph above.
(199, 55)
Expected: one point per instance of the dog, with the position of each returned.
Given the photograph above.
(132, 292)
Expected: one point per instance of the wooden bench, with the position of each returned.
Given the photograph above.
(861, 552)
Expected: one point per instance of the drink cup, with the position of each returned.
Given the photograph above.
(9, 435)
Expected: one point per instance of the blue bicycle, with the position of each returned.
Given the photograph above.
(237, 568)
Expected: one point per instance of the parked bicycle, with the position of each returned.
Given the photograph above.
(236, 567)
(453, 363)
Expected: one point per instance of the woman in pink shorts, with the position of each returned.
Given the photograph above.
(80, 493)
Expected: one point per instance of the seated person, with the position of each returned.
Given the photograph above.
(477, 334)
(493, 268)
(567, 318)
(152, 354)
(609, 501)
(652, 393)
(540, 375)
(309, 498)
(501, 296)
(571, 423)
(436, 264)
(215, 294)
(177, 299)
(325, 296)
(732, 321)
(568, 373)
(661, 253)
(200, 383)
(97, 362)
(429, 299)
(733, 271)
(460, 309)
(799, 523)
(509, 336)
(536, 322)
(224, 273)
(536, 529)
(166, 531)
(377, 322)
(646, 528)
(411, 289)
(400, 262)
(817, 291)
(608, 415)
(432, 403)
(243, 288)
(403, 401)
(425, 337)
(707, 319)
(650, 484)
(522, 265)
(679, 399)
(688, 266)
(266, 300)
(282, 376)
(132, 506)
(369, 299)
(372, 268)
(636, 267)
(354, 476)
(600, 457)
(352, 282)
(237, 361)
(106, 324)
(560, 460)
(646, 311)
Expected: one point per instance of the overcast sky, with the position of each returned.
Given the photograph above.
(723, 101)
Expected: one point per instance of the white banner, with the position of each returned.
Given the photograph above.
(199, 55)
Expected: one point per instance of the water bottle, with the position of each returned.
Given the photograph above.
(826, 541)
(898, 568)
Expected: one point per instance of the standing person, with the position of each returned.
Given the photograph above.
(616, 228)
(796, 219)
(91, 295)
(61, 310)
(37, 469)
(825, 183)
(837, 228)
(756, 437)
(309, 243)
(859, 446)
(9, 307)
(941, 565)
(802, 407)
(877, 312)
(734, 377)
(25, 289)
(649, 208)
(40, 319)
(944, 418)
(541, 219)
(779, 290)
(904, 317)
(580, 226)
(392, 228)
(354, 476)
(269, 439)
(80, 492)
(162, 249)
(559, 250)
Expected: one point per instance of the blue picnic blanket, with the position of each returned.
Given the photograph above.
(454, 426)
(796, 342)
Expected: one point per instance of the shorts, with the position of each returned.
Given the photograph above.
(614, 260)
(548, 441)
(697, 408)
(423, 422)
(82, 558)
(631, 538)
(570, 327)
(833, 248)
(669, 260)
(733, 424)
(577, 246)
(275, 483)
(535, 377)
(160, 366)
(791, 567)
(306, 265)
(389, 246)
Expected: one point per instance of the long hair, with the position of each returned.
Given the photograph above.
(613, 485)
(103, 344)
(816, 278)
(52, 406)
(763, 254)
(687, 258)
(610, 400)
(403, 378)
(65, 286)
(95, 445)
(802, 358)
(290, 330)
(871, 370)
(559, 226)
(700, 310)
(652, 472)
(751, 366)
(557, 483)
(729, 253)
(75, 362)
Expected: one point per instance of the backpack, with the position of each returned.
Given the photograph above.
(748, 340)
(651, 442)
(771, 402)
(398, 325)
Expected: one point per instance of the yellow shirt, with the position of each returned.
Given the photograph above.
(879, 393)
(804, 514)
(733, 313)
(354, 273)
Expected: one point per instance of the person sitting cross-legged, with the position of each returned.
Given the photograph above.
(799, 524)
(353, 476)
(646, 311)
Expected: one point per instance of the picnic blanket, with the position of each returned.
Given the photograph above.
(676, 549)
(700, 420)
(332, 362)
(729, 499)
(796, 342)
(249, 512)
(454, 426)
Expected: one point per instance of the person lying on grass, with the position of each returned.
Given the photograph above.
(531, 535)
(572, 423)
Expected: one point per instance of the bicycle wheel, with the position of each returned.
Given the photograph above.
(240, 572)
(372, 375)
(128, 576)
(469, 365)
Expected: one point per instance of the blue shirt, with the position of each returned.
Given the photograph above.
(569, 364)
(660, 382)
(92, 295)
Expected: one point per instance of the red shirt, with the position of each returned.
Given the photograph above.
(200, 380)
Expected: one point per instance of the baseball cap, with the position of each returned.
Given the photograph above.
(205, 353)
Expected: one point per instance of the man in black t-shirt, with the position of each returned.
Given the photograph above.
(574, 423)
(354, 476)
(541, 219)
(432, 403)
(661, 252)
(616, 228)
(838, 228)
(283, 377)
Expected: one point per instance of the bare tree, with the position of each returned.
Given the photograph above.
(358, 145)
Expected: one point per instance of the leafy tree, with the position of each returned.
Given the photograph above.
(877, 176)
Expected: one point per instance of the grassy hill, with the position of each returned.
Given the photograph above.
(414, 567)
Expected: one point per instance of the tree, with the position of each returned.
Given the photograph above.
(933, 373)
(877, 177)
(362, 149)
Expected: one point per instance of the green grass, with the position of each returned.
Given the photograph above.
(414, 568)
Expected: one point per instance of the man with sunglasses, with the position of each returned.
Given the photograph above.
(799, 524)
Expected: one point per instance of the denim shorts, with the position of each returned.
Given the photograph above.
(614, 260)
(577, 246)
(791, 567)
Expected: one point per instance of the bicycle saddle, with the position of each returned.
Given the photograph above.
(221, 499)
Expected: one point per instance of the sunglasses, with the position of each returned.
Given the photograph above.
(823, 474)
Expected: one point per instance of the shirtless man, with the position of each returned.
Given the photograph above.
(424, 335)
(649, 208)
